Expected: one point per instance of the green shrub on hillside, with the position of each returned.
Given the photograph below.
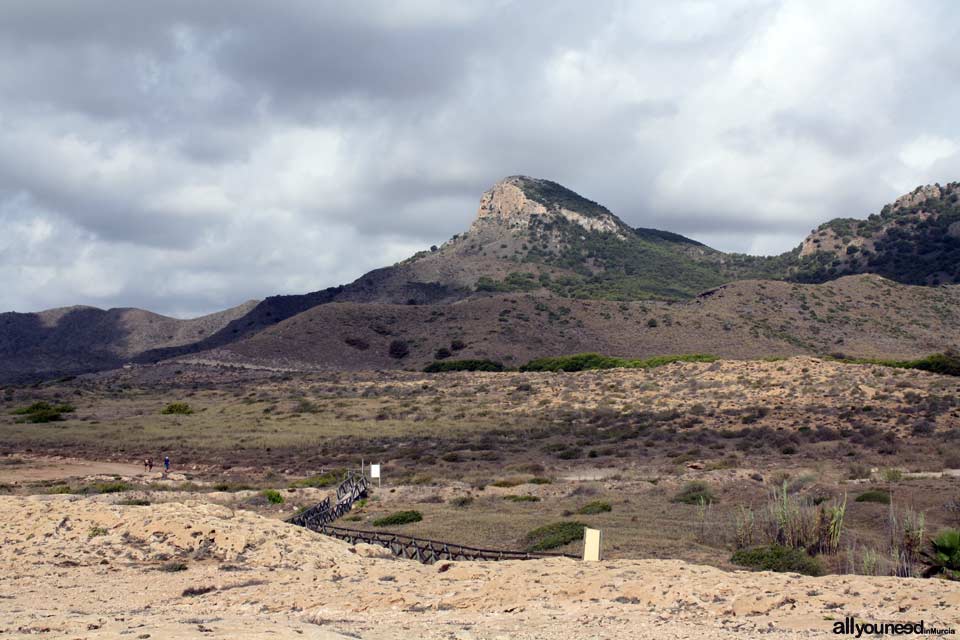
(398, 518)
(273, 496)
(40, 412)
(591, 361)
(463, 365)
(595, 507)
(554, 535)
(695, 492)
(874, 495)
(177, 408)
(780, 559)
(326, 479)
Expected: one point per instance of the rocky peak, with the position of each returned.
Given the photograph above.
(516, 201)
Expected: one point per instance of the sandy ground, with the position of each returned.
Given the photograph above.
(37, 468)
(72, 567)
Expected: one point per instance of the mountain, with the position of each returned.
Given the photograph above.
(79, 339)
(535, 240)
(916, 240)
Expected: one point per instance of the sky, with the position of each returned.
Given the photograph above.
(187, 156)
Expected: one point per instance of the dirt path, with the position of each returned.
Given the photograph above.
(21, 469)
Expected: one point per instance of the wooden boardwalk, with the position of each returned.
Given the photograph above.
(353, 488)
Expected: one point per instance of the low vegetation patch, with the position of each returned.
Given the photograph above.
(696, 492)
(554, 535)
(320, 481)
(177, 409)
(398, 518)
(523, 498)
(778, 558)
(172, 567)
(947, 364)
(40, 412)
(273, 496)
(595, 507)
(591, 361)
(134, 502)
(461, 502)
(198, 591)
(463, 365)
(874, 495)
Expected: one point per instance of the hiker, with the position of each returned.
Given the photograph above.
(149, 465)
(146, 465)
(166, 464)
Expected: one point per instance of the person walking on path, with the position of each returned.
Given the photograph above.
(166, 465)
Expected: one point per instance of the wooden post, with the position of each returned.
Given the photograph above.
(592, 539)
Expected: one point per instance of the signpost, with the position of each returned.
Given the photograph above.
(592, 539)
(375, 473)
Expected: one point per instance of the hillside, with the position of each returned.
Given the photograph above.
(73, 340)
(860, 316)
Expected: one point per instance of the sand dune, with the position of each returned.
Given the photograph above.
(75, 568)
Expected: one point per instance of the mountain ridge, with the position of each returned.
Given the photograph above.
(530, 236)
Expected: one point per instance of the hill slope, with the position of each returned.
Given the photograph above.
(73, 340)
(860, 316)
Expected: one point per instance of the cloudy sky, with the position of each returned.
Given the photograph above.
(186, 156)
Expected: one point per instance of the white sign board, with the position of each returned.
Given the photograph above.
(591, 544)
(374, 471)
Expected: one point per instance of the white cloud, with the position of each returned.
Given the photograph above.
(198, 155)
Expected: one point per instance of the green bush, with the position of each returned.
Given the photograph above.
(539, 480)
(554, 535)
(177, 408)
(40, 412)
(321, 481)
(592, 361)
(134, 502)
(273, 496)
(874, 495)
(463, 365)
(523, 498)
(595, 507)
(694, 493)
(398, 518)
(780, 559)
(115, 486)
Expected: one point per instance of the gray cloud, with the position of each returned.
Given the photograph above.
(186, 156)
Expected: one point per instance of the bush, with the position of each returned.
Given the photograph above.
(539, 480)
(442, 353)
(463, 365)
(595, 507)
(524, 498)
(398, 518)
(554, 535)
(457, 345)
(273, 496)
(695, 492)
(323, 480)
(461, 502)
(874, 495)
(780, 559)
(116, 486)
(177, 408)
(172, 567)
(134, 502)
(357, 343)
(591, 361)
(399, 349)
(40, 412)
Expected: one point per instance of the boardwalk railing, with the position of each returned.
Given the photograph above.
(430, 551)
(353, 488)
